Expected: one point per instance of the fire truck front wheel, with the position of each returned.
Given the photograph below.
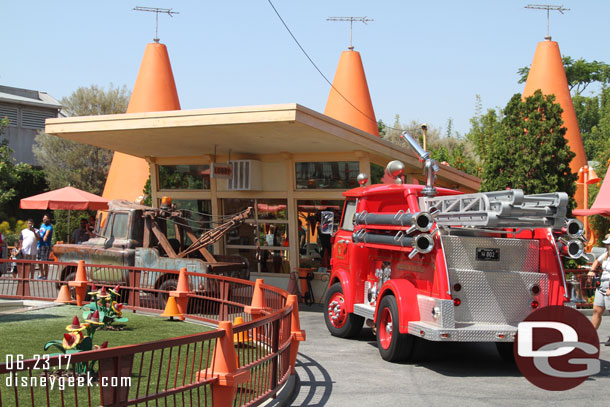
(393, 346)
(338, 321)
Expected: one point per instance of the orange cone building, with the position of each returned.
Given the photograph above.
(547, 73)
(350, 82)
(154, 91)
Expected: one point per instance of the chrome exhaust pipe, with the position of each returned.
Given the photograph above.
(574, 248)
(573, 228)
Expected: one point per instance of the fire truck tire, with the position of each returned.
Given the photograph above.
(506, 352)
(338, 321)
(393, 346)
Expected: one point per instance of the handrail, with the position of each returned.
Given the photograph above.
(187, 367)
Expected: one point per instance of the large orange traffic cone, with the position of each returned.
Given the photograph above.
(258, 304)
(64, 295)
(349, 99)
(171, 309)
(224, 368)
(154, 91)
(80, 283)
(296, 333)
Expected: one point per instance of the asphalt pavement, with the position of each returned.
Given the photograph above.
(350, 372)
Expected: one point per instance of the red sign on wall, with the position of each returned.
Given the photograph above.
(221, 171)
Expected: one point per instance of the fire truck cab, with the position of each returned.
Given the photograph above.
(436, 264)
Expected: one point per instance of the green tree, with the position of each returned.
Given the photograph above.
(482, 127)
(80, 165)
(528, 151)
(579, 73)
(17, 181)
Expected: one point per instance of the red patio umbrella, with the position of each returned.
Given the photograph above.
(601, 206)
(67, 198)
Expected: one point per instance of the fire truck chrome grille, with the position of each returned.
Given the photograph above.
(496, 291)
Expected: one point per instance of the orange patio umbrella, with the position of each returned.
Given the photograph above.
(67, 198)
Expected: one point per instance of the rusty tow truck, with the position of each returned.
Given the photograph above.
(136, 235)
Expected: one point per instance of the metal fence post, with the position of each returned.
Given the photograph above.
(112, 371)
(225, 369)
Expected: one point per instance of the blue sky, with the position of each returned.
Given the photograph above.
(424, 60)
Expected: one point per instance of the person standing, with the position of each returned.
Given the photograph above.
(28, 244)
(44, 245)
(602, 293)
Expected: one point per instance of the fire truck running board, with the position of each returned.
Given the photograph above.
(499, 209)
(464, 332)
(364, 310)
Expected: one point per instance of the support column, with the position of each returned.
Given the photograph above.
(364, 162)
(154, 182)
(291, 207)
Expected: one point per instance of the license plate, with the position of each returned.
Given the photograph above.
(485, 254)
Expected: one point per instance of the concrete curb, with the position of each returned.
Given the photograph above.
(285, 395)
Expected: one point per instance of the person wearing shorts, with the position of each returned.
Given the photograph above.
(44, 245)
(602, 293)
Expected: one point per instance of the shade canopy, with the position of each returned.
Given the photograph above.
(67, 198)
(601, 206)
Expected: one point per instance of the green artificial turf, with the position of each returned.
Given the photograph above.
(26, 334)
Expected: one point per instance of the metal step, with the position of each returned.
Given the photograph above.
(364, 310)
(499, 209)
(464, 332)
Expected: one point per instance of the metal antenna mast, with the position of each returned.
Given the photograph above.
(156, 10)
(548, 9)
(351, 23)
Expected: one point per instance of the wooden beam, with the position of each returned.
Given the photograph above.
(169, 250)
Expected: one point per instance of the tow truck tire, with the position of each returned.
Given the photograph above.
(506, 352)
(393, 346)
(338, 321)
(169, 284)
(69, 276)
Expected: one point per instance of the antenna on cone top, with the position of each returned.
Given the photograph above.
(351, 23)
(157, 10)
(548, 9)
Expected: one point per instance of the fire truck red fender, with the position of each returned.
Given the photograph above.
(342, 276)
(406, 298)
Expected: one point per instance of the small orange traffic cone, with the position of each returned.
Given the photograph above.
(64, 295)
(171, 309)
(183, 282)
(80, 283)
(257, 306)
(240, 337)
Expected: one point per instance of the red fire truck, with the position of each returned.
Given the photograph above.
(433, 263)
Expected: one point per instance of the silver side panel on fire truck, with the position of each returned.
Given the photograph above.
(495, 295)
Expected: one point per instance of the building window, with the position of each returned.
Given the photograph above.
(315, 247)
(262, 239)
(327, 175)
(184, 177)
